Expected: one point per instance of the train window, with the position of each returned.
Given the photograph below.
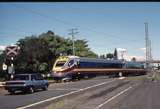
(71, 62)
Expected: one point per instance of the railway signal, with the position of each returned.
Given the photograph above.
(12, 51)
(4, 66)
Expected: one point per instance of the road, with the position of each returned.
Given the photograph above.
(96, 93)
(145, 96)
(8, 101)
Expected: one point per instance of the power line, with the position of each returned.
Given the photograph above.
(70, 24)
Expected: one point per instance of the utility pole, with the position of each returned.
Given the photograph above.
(150, 49)
(72, 33)
(146, 41)
(148, 46)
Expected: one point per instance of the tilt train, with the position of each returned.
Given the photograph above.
(74, 67)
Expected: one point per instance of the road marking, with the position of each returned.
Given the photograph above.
(64, 89)
(60, 96)
(99, 106)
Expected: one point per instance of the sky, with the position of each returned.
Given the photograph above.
(105, 25)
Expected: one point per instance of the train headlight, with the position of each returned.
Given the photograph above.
(59, 73)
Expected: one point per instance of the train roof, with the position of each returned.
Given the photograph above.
(73, 56)
(93, 59)
(132, 62)
(100, 60)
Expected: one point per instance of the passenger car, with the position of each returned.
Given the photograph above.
(26, 83)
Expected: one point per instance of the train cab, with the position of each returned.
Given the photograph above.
(60, 64)
(63, 67)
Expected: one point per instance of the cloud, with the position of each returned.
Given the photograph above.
(143, 49)
(121, 49)
(138, 58)
(126, 56)
(2, 47)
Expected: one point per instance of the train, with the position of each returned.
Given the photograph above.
(71, 67)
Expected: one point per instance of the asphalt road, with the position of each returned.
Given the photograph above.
(144, 96)
(96, 93)
(8, 101)
(90, 98)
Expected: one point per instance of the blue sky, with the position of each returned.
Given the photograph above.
(104, 25)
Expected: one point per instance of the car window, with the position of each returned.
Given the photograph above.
(21, 77)
(39, 77)
(33, 77)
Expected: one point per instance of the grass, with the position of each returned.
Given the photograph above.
(142, 77)
(157, 76)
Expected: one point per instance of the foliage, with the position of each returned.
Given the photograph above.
(115, 54)
(109, 55)
(133, 59)
(2, 57)
(38, 53)
(102, 56)
(82, 50)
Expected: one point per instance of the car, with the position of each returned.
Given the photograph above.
(26, 83)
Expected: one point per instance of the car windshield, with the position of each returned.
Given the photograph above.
(21, 77)
(60, 63)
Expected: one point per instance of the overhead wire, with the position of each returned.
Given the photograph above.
(70, 24)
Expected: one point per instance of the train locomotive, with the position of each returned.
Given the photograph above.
(71, 67)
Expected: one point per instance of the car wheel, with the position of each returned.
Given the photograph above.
(45, 87)
(31, 90)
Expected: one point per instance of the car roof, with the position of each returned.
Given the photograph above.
(29, 74)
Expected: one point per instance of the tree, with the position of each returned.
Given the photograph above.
(102, 56)
(133, 59)
(2, 60)
(38, 53)
(32, 52)
(115, 54)
(82, 50)
(109, 55)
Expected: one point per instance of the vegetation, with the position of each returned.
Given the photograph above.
(38, 53)
(115, 54)
(110, 55)
(133, 59)
(2, 73)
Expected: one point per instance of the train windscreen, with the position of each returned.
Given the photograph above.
(60, 63)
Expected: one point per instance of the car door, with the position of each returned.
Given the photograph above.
(40, 81)
(35, 81)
